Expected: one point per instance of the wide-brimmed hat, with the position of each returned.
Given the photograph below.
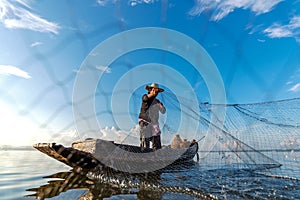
(154, 85)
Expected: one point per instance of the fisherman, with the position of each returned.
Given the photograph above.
(148, 117)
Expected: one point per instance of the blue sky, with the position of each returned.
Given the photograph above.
(253, 43)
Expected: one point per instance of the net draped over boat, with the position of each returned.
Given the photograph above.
(251, 135)
(244, 155)
(255, 137)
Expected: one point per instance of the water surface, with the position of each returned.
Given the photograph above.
(24, 173)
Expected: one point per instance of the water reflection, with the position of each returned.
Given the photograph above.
(23, 170)
(195, 183)
(208, 179)
(95, 188)
(106, 184)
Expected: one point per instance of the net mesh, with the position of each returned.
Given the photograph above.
(250, 149)
(253, 136)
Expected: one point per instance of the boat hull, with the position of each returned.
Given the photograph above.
(91, 154)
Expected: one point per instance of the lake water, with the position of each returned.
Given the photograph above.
(24, 173)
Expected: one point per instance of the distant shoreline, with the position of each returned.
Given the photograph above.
(16, 148)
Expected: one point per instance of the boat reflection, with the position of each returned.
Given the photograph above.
(92, 188)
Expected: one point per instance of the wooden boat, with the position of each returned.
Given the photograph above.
(102, 154)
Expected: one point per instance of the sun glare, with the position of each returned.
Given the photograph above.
(16, 130)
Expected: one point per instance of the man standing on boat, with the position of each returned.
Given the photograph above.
(148, 117)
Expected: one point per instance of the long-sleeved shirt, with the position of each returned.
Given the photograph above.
(150, 109)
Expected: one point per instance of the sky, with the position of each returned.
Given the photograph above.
(252, 46)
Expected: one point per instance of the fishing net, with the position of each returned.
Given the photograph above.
(256, 137)
(240, 145)
(250, 150)
(251, 145)
(253, 136)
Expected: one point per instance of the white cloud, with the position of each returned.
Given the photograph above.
(121, 136)
(261, 40)
(277, 31)
(221, 8)
(292, 29)
(293, 82)
(94, 54)
(105, 2)
(290, 142)
(75, 71)
(136, 2)
(105, 69)
(18, 15)
(36, 44)
(12, 70)
(295, 88)
(65, 138)
(102, 2)
(108, 133)
(130, 2)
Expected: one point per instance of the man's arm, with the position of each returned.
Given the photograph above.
(162, 108)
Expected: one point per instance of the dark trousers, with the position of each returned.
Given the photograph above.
(156, 143)
(145, 134)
